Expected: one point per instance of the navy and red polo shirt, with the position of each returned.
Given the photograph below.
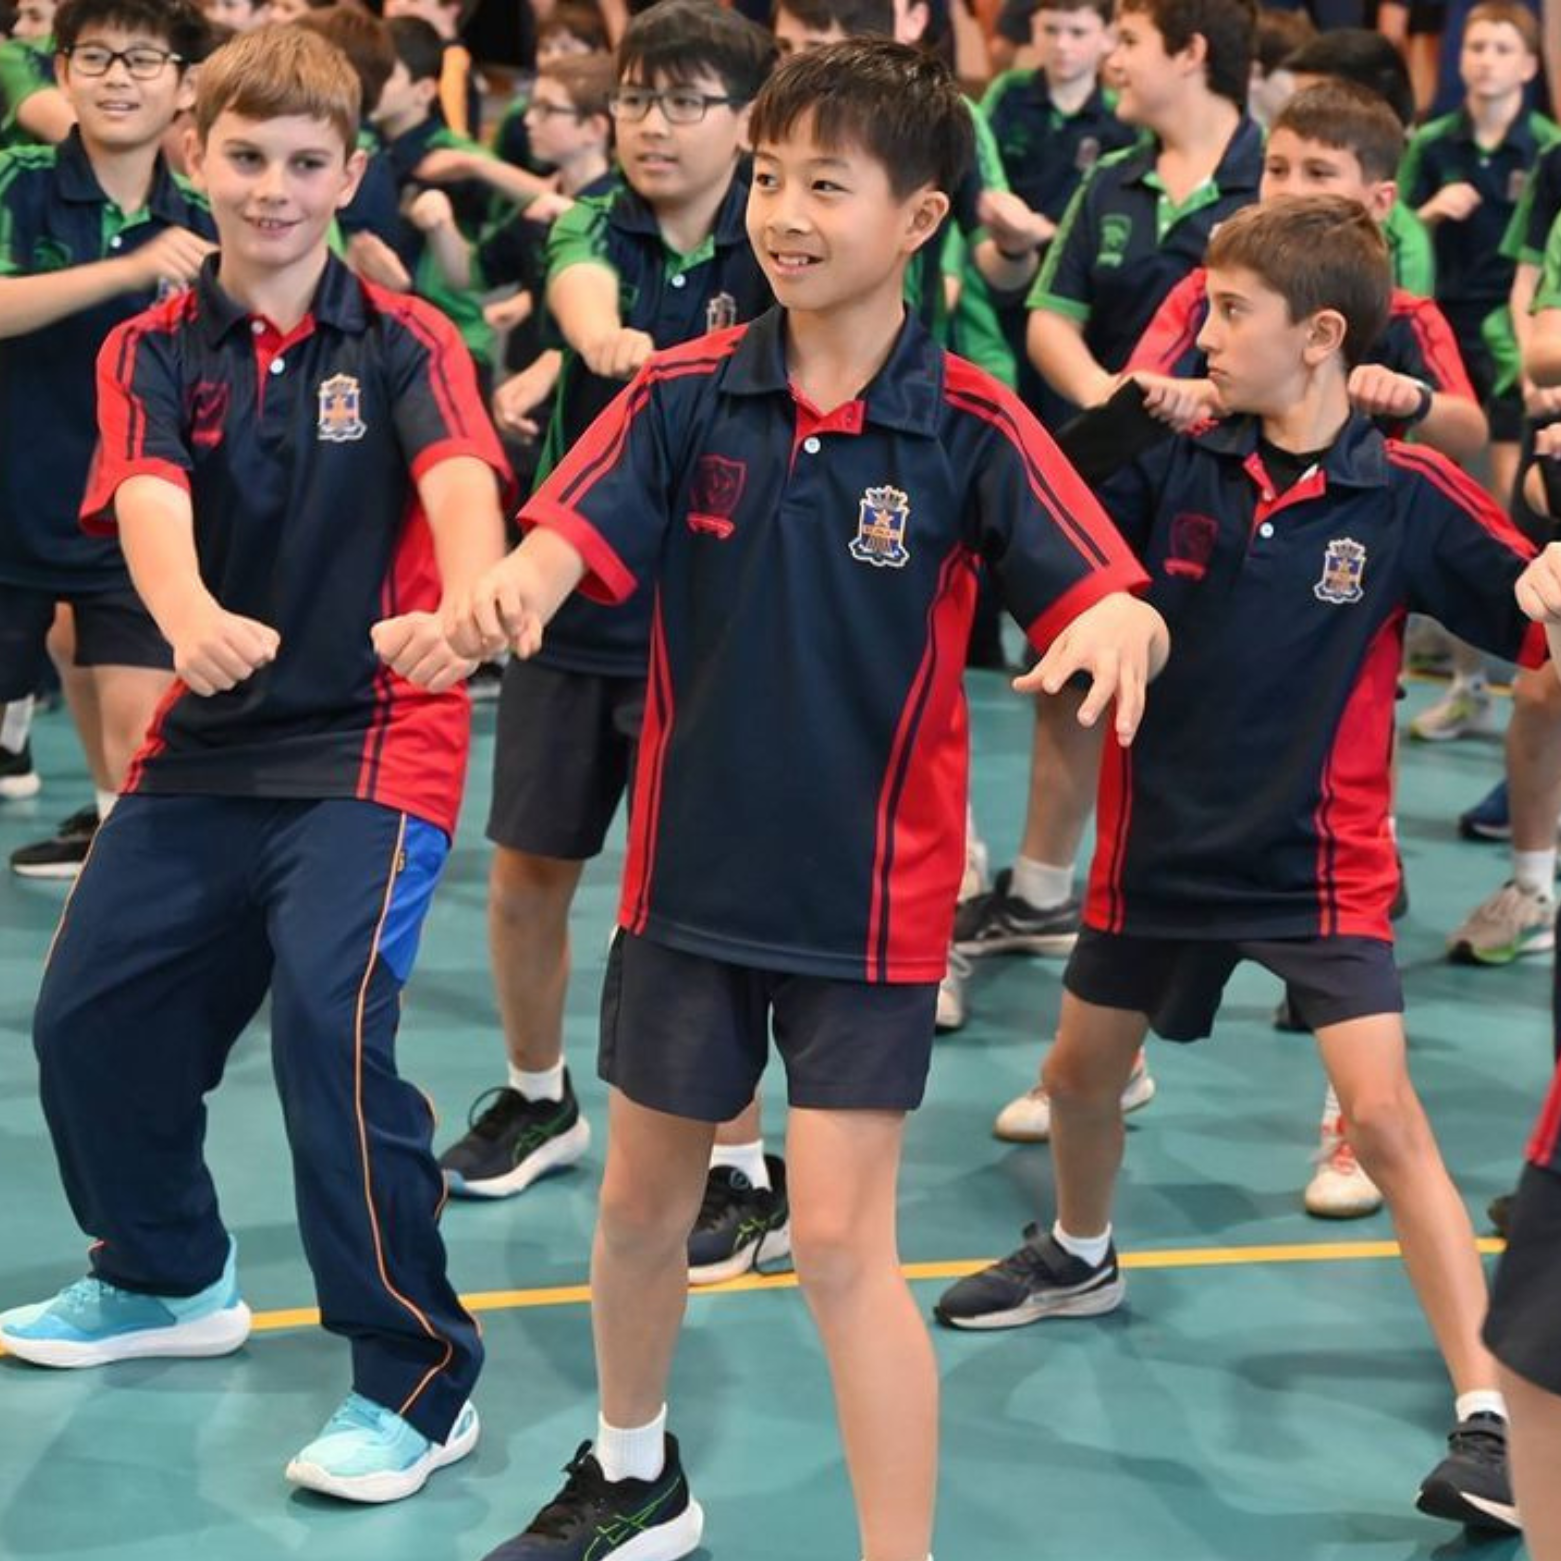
(1416, 341)
(800, 793)
(301, 454)
(1254, 800)
(54, 215)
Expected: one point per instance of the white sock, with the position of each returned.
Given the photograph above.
(639, 1453)
(106, 801)
(1535, 871)
(546, 1084)
(1045, 886)
(1092, 1249)
(1331, 1106)
(16, 722)
(1483, 1401)
(747, 1158)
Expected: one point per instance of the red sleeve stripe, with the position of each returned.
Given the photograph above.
(1440, 352)
(1002, 418)
(455, 415)
(645, 815)
(1463, 490)
(1173, 332)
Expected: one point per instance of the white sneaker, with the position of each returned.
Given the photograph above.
(1513, 922)
(1465, 710)
(951, 994)
(1028, 1118)
(1340, 1189)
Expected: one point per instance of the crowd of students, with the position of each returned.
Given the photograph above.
(1182, 340)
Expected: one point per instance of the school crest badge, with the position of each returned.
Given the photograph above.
(881, 520)
(713, 494)
(1191, 546)
(1116, 231)
(1344, 566)
(341, 410)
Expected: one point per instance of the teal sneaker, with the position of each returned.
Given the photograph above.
(91, 1323)
(369, 1453)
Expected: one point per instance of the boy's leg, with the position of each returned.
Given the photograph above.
(1367, 1065)
(844, 1169)
(159, 962)
(1535, 1443)
(127, 699)
(528, 940)
(346, 885)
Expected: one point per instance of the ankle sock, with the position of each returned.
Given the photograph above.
(16, 723)
(1044, 885)
(1089, 1249)
(105, 801)
(747, 1158)
(634, 1452)
(1534, 872)
(545, 1084)
(1482, 1401)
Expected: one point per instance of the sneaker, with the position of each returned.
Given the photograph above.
(1490, 818)
(593, 1517)
(512, 1141)
(1472, 1484)
(61, 855)
(1039, 1280)
(1465, 710)
(1000, 922)
(1027, 1119)
(1340, 1189)
(951, 1013)
(740, 1226)
(18, 778)
(369, 1453)
(1511, 923)
(1499, 1212)
(974, 881)
(91, 1323)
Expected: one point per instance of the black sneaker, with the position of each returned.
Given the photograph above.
(593, 1518)
(61, 855)
(18, 778)
(1472, 1484)
(512, 1141)
(1001, 922)
(1039, 1280)
(1499, 1212)
(740, 1226)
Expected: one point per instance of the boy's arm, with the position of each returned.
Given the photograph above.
(434, 217)
(28, 303)
(583, 301)
(1057, 349)
(455, 165)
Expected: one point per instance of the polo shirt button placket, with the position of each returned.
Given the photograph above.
(812, 444)
(278, 365)
(680, 280)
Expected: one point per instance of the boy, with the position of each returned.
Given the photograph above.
(459, 94)
(747, 475)
(1294, 527)
(294, 460)
(92, 230)
(1464, 174)
(653, 264)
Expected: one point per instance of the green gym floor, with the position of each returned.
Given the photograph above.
(1268, 1394)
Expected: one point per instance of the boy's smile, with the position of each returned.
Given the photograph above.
(115, 108)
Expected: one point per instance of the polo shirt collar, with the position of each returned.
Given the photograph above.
(1356, 459)
(632, 213)
(338, 302)
(904, 394)
(1240, 166)
(410, 148)
(1519, 136)
(78, 183)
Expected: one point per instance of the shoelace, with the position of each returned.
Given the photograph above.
(1028, 1261)
(493, 1121)
(1484, 1443)
(723, 1188)
(1334, 1150)
(88, 1291)
(358, 1414)
(584, 1493)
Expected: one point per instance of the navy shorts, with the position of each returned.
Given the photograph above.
(1523, 1327)
(563, 757)
(1178, 982)
(113, 629)
(690, 1036)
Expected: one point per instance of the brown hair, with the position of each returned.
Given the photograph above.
(1349, 118)
(1228, 27)
(1279, 35)
(587, 78)
(1513, 14)
(278, 70)
(1317, 252)
(363, 38)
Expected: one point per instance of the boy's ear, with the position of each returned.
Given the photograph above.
(929, 207)
(427, 90)
(357, 161)
(744, 114)
(1325, 333)
(1533, 68)
(185, 100)
(1195, 56)
(1382, 198)
(918, 18)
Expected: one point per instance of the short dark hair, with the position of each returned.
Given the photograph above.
(1227, 27)
(1279, 35)
(1513, 14)
(1316, 252)
(855, 18)
(579, 20)
(418, 46)
(587, 78)
(1364, 57)
(178, 21)
(680, 39)
(900, 105)
(364, 38)
(1348, 118)
(1105, 9)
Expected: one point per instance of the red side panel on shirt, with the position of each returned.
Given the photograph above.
(1105, 906)
(650, 772)
(1544, 1147)
(1357, 873)
(1438, 346)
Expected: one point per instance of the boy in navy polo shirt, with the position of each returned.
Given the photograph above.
(657, 261)
(294, 461)
(810, 495)
(90, 230)
(1294, 526)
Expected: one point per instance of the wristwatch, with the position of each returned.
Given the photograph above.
(1423, 406)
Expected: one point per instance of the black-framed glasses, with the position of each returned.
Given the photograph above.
(548, 110)
(144, 62)
(679, 105)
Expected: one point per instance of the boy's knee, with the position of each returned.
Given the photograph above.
(524, 889)
(827, 1251)
(1389, 1132)
(633, 1220)
(1077, 1075)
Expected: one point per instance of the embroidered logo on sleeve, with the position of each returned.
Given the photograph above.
(881, 520)
(341, 410)
(713, 495)
(1344, 567)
